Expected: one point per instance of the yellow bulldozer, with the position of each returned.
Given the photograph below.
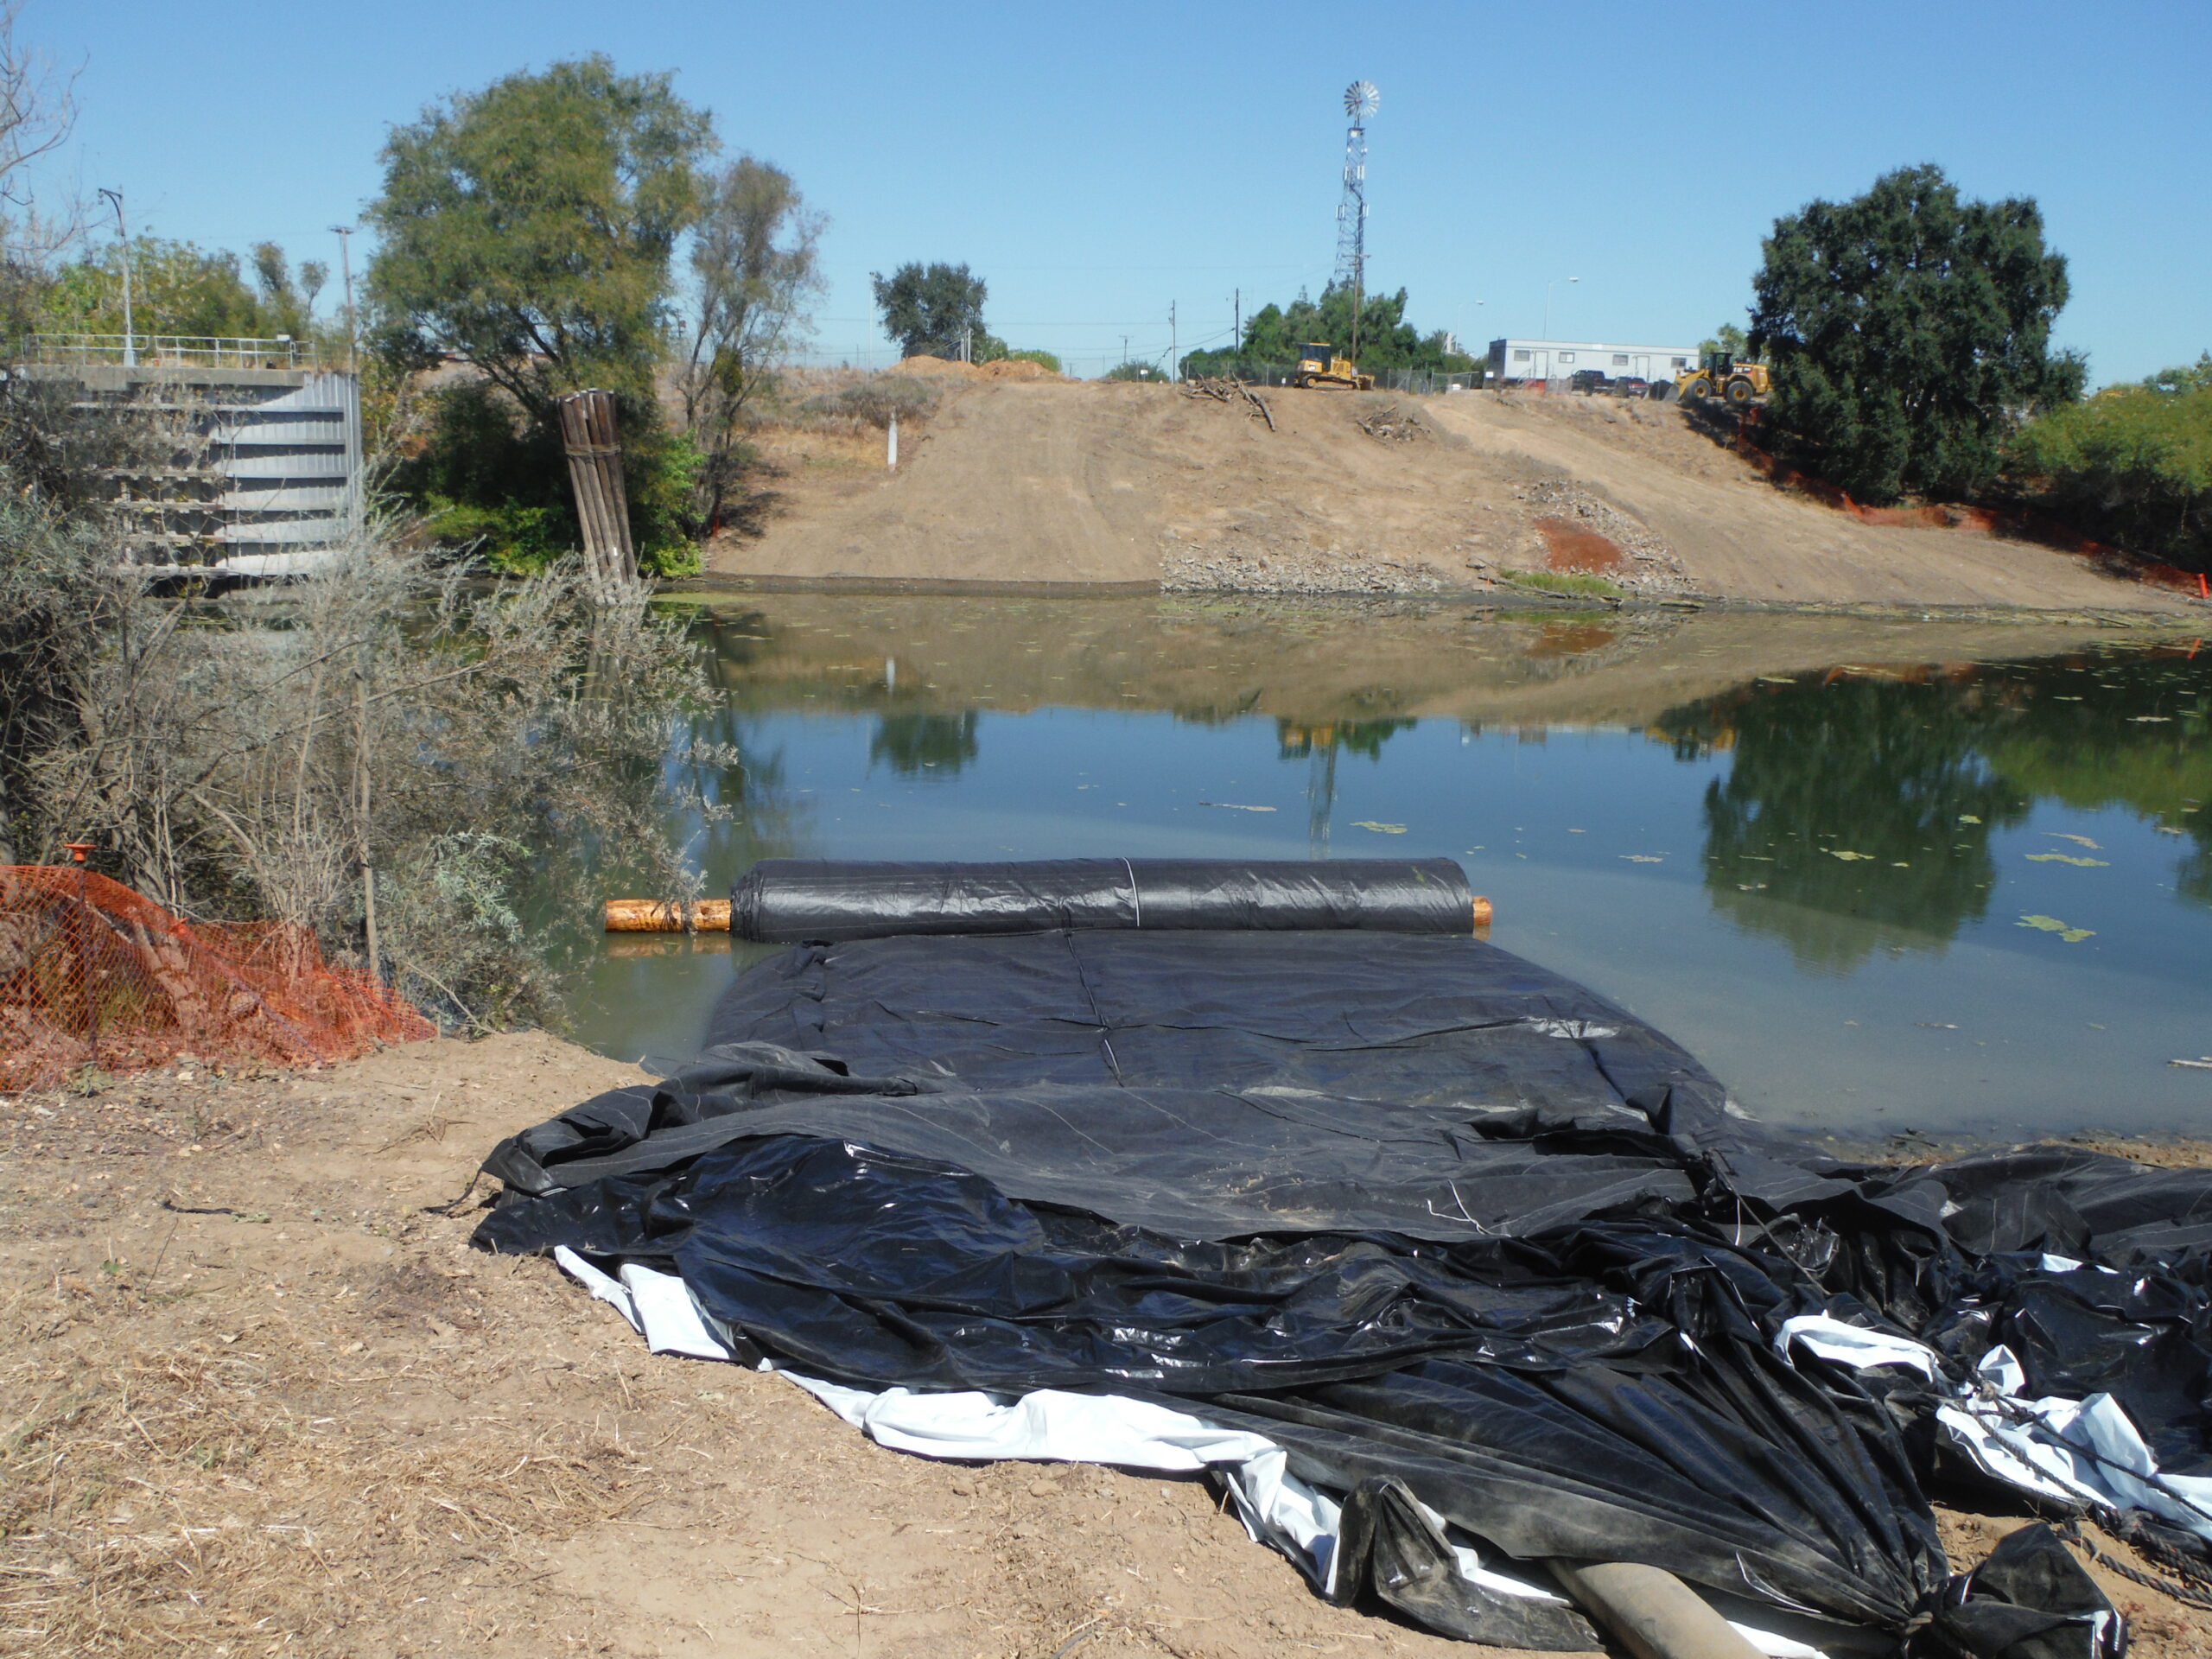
(1721, 375)
(1319, 366)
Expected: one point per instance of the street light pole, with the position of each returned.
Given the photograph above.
(1547, 302)
(123, 232)
(344, 233)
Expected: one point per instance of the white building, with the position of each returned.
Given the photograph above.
(1515, 360)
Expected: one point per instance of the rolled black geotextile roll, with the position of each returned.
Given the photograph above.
(780, 901)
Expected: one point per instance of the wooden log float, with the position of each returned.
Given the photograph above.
(660, 916)
(712, 916)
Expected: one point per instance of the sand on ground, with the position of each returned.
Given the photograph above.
(264, 1399)
(1091, 482)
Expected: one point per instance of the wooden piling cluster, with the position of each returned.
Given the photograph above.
(594, 450)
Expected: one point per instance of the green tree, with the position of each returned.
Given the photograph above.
(930, 309)
(177, 288)
(753, 270)
(2133, 464)
(287, 297)
(527, 231)
(1730, 338)
(1909, 332)
(1386, 340)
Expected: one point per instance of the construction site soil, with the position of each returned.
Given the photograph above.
(262, 1399)
(1018, 482)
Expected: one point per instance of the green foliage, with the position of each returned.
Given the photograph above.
(487, 479)
(177, 288)
(2133, 465)
(752, 271)
(930, 309)
(1910, 330)
(512, 539)
(1730, 338)
(1386, 340)
(527, 230)
(664, 488)
(1137, 372)
(1042, 359)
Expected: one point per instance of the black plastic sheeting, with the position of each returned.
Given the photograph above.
(783, 900)
(1443, 1224)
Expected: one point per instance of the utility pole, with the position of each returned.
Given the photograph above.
(344, 233)
(1236, 328)
(123, 233)
(1174, 354)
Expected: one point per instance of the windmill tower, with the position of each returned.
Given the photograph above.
(1360, 101)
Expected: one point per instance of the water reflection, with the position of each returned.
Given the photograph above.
(1804, 847)
(1319, 746)
(1859, 805)
(912, 744)
(1854, 817)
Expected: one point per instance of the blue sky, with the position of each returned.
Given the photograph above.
(1098, 164)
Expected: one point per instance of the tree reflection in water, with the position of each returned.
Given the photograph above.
(911, 744)
(1858, 810)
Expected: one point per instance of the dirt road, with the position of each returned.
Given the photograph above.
(1124, 484)
(262, 1401)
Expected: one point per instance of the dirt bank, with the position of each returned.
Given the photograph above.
(262, 1402)
(1131, 484)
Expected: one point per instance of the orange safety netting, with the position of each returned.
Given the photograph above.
(92, 974)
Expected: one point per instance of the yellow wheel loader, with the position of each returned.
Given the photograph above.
(1317, 366)
(1721, 376)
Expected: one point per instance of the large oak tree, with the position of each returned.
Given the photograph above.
(1910, 333)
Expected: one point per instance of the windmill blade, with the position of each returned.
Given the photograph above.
(1362, 99)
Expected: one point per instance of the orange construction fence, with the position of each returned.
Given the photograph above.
(93, 974)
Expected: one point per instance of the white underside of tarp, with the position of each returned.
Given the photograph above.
(1053, 1425)
(2076, 1450)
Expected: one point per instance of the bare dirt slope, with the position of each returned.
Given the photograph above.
(262, 1401)
(1086, 482)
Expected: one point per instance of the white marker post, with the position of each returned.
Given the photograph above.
(891, 445)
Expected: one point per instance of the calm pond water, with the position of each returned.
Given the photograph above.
(1883, 878)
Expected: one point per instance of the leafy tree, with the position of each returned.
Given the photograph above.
(1386, 340)
(1136, 371)
(2133, 464)
(753, 270)
(1730, 338)
(930, 309)
(288, 300)
(1909, 332)
(527, 231)
(1047, 361)
(177, 288)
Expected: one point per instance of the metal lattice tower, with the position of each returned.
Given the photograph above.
(1360, 102)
